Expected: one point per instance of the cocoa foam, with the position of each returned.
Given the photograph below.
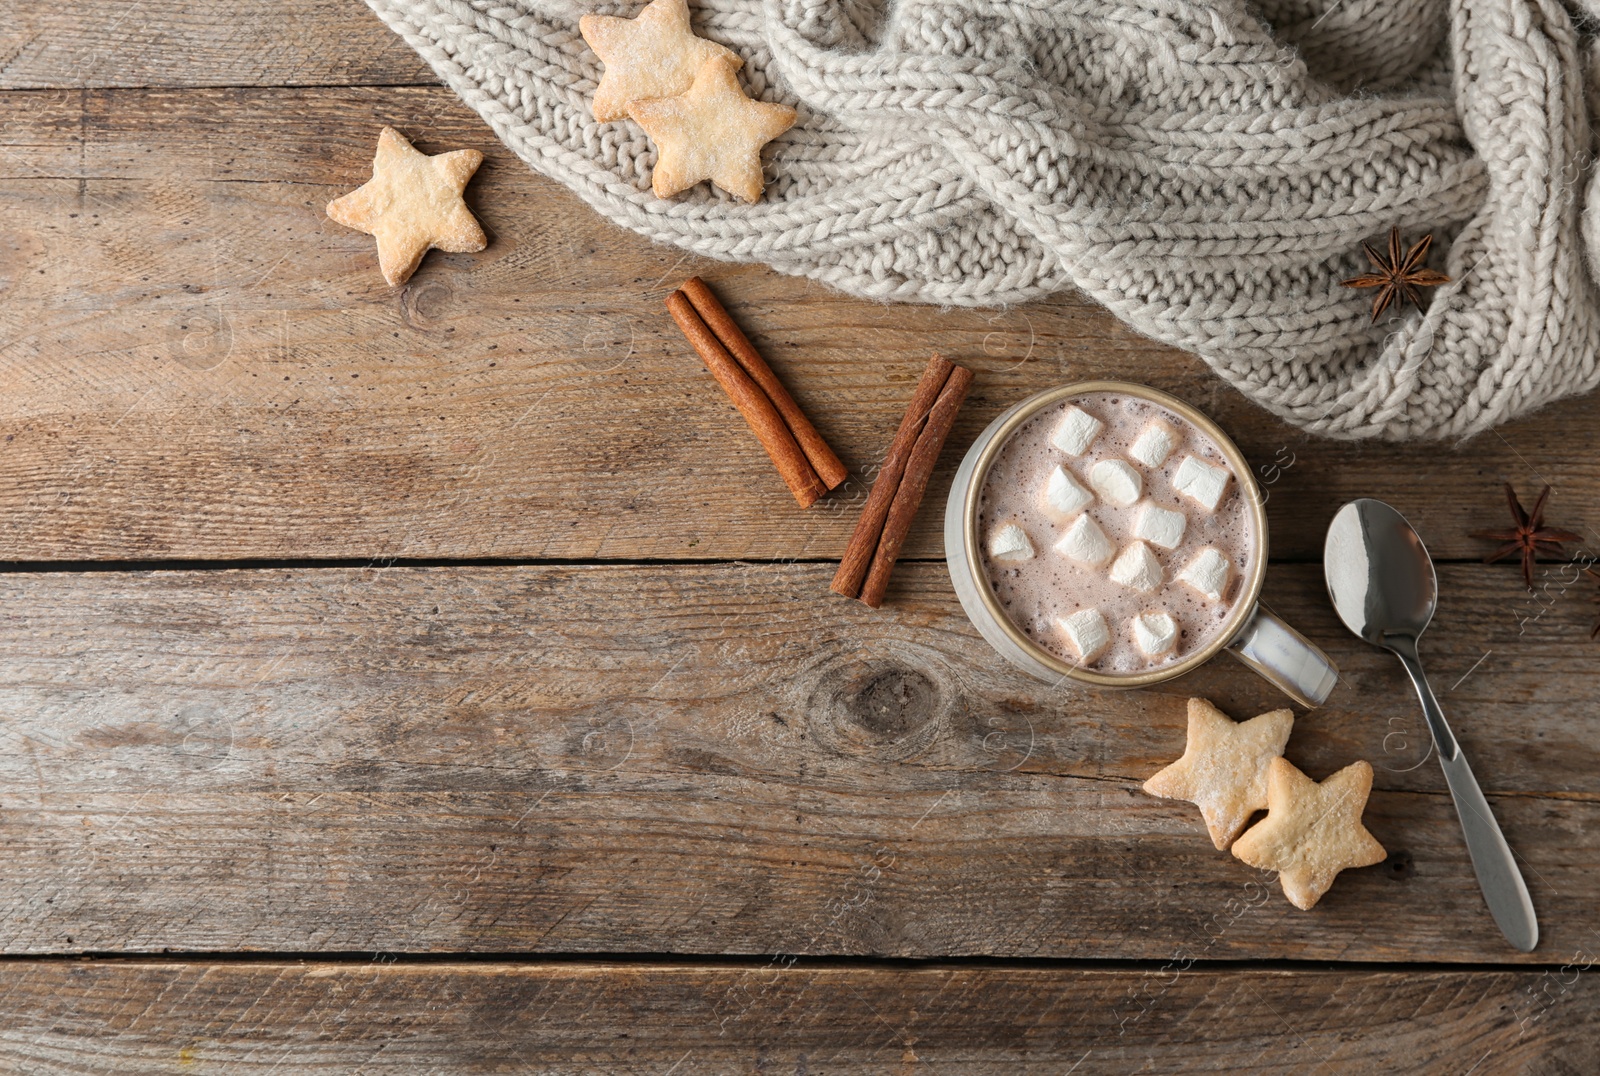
(1035, 593)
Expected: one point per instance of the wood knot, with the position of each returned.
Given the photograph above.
(889, 702)
(883, 707)
(424, 304)
(1398, 866)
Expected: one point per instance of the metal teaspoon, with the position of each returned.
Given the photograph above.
(1384, 589)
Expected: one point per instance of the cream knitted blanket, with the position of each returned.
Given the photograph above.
(1207, 169)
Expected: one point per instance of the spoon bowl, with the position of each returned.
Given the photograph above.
(1379, 573)
(1383, 587)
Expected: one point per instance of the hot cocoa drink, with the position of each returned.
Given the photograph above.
(1115, 534)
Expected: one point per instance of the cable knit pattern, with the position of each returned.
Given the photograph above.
(1207, 169)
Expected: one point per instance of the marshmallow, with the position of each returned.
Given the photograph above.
(1201, 482)
(1064, 496)
(1116, 481)
(1077, 431)
(1155, 634)
(1154, 445)
(1086, 631)
(1207, 574)
(1085, 543)
(1010, 542)
(1159, 526)
(1138, 568)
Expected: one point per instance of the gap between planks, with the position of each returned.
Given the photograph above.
(743, 962)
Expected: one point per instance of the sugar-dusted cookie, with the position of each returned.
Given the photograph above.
(653, 55)
(1312, 831)
(711, 132)
(1223, 770)
(411, 203)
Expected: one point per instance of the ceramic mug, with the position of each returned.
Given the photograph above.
(1250, 633)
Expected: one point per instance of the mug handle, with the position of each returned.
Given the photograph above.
(1286, 658)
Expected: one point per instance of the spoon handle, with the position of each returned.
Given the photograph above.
(1503, 888)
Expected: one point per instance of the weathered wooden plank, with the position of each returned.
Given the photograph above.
(196, 363)
(153, 1017)
(715, 759)
(208, 43)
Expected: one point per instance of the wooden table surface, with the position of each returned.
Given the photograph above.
(439, 679)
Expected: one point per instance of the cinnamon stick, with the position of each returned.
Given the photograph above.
(752, 402)
(919, 468)
(869, 527)
(818, 454)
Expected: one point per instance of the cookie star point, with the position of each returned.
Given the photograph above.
(712, 131)
(412, 203)
(457, 167)
(1312, 830)
(654, 54)
(1224, 768)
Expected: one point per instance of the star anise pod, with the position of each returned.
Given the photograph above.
(1529, 537)
(1398, 276)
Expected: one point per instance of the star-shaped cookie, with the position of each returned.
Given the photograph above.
(411, 203)
(1223, 770)
(1312, 831)
(653, 55)
(711, 132)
